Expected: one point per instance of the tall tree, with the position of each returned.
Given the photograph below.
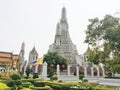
(105, 35)
(53, 59)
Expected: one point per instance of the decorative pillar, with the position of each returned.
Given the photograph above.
(21, 67)
(98, 72)
(85, 71)
(32, 71)
(58, 69)
(103, 71)
(44, 69)
(36, 69)
(25, 70)
(68, 70)
(77, 70)
(92, 73)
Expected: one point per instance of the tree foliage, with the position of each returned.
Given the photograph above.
(28, 71)
(53, 59)
(104, 38)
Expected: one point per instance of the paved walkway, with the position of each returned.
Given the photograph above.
(106, 82)
(101, 81)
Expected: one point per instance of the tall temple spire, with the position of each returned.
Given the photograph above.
(21, 56)
(63, 15)
(62, 43)
(58, 31)
(23, 46)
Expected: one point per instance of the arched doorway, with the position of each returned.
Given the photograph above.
(72, 70)
(81, 70)
(94, 71)
(89, 71)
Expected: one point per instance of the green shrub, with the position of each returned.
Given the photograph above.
(13, 88)
(85, 80)
(103, 88)
(65, 87)
(26, 84)
(81, 76)
(54, 85)
(10, 83)
(39, 84)
(41, 88)
(16, 76)
(35, 75)
(20, 87)
(26, 89)
(28, 80)
(55, 77)
(18, 82)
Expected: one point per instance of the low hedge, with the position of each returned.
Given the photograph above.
(110, 77)
(68, 85)
(39, 84)
(26, 84)
(102, 88)
(26, 89)
(54, 85)
(41, 88)
(31, 80)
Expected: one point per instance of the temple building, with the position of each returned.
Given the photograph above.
(62, 43)
(33, 56)
(8, 60)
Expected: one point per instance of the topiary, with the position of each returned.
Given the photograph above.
(10, 83)
(55, 77)
(85, 80)
(35, 75)
(16, 77)
(81, 76)
(18, 82)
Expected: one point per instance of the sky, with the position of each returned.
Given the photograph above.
(34, 22)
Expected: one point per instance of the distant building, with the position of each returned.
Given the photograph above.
(33, 55)
(22, 58)
(8, 60)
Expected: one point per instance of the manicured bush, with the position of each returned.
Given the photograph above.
(55, 77)
(81, 76)
(20, 87)
(10, 83)
(65, 87)
(85, 80)
(41, 88)
(26, 84)
(18, 82)
(13, 88)
(28, 80)
(14, 83)
(35, 75)
(54, 85)
(26, 89)
(103, 88)
(39, 84)
(16, 76)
